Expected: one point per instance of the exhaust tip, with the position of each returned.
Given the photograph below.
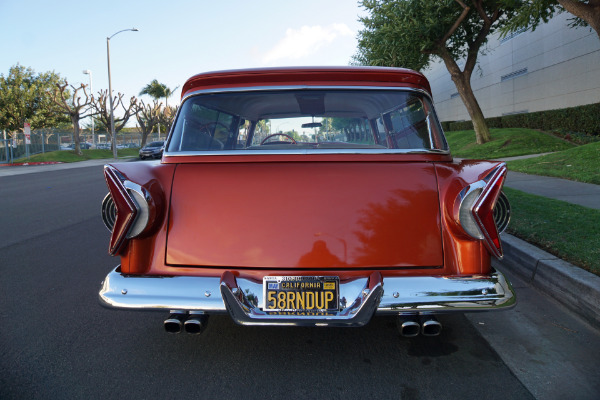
(430, 327)
(408, 326)
(174, 323)
(196, 324)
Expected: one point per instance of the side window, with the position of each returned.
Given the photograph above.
(204, 129)
(381, 134)
(349, 130)
(408, 126)
(222, 128)
(262, 129)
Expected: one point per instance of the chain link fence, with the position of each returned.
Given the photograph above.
(13, 148)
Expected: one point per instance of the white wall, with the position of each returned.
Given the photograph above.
(559, 67)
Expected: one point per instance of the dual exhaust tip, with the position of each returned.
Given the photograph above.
(411, 326)
(193, 323)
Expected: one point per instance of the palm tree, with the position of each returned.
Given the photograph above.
(158, 90)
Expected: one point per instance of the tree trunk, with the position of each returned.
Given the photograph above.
(482, 132)
(75, 122)
(462, 81)
(144, 138)
(589, 12)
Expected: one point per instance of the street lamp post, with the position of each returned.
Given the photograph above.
(88, 72)
(110, 95)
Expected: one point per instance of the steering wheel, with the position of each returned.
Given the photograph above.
(278, 134)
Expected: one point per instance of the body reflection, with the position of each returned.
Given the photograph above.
(321, 257)
(395, 233)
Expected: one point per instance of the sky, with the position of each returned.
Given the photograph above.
(176, 39)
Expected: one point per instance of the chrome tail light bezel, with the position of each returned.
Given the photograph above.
(125, 209)
(476, 211)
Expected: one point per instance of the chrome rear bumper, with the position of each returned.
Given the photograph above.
(243, 298)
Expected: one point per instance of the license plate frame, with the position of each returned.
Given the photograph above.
(317, 294)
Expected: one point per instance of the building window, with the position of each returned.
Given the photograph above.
(515, 112)
(512, 35)
(513, 75)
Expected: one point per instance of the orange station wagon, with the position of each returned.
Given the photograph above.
(306, 197)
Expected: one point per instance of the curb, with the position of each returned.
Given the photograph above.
(31, 163)
(575, 288)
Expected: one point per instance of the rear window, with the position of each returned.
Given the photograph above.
(307, 119)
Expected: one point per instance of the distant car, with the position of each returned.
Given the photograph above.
(152, 150)
(295, 196)
(82, 146)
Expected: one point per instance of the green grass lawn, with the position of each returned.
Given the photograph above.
(569, 231)
(578, 164)
(68, 156)
(508, 142)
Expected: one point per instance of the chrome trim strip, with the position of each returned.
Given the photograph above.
(490, 181)
(428, 121)
(113, 175)
(431, 294)
(302, 87)
(303, 151)
(306, 151)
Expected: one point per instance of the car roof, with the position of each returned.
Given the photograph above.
(306, 76)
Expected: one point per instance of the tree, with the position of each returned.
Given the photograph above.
(158, 90)
(148, 116)
(73, 106)
(166, 117)
(262, 129)
(530, 14)
(410, 33)
(102, 109)
(27, 97)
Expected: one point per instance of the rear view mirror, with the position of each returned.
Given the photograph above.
(312, 125)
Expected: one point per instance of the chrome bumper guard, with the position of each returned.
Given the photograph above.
(243, 298)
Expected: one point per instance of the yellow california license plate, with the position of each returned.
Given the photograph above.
(301, 294)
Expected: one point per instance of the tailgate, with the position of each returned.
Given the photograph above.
(303, 215)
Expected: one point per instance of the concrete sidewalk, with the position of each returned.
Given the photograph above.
(30, 169)
(583, 194)
(572, 286)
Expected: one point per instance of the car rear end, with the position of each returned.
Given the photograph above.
(314, 197)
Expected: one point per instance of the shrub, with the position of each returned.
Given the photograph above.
(583, 119)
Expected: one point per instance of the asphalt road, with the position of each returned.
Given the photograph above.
(57, 342)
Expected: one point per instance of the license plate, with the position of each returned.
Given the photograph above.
(301, 294)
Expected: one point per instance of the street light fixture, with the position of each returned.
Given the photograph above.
(112, 117)
(88, 72)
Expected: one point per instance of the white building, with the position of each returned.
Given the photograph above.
(553, 67)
